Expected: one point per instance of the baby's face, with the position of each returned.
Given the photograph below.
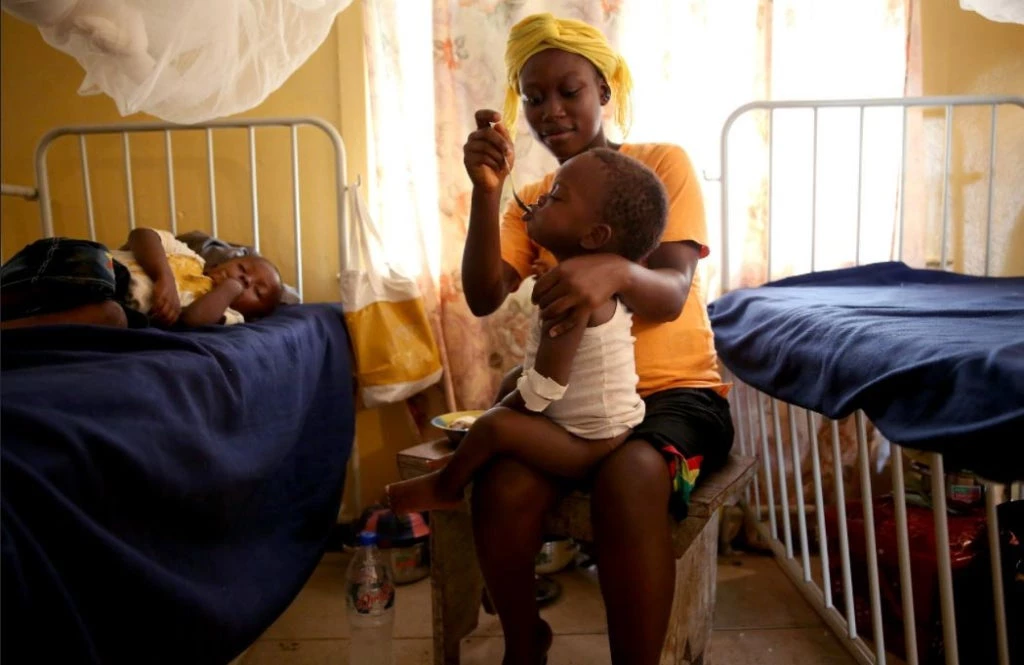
(261, 282)
(563, 216)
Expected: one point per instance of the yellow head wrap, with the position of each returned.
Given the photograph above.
(540, 32)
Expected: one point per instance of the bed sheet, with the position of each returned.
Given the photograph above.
(935, 359)
(166, 495)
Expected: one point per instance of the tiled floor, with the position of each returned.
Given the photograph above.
(760, 619)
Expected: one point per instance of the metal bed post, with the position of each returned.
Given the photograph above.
(871, 547)
(129, 187)
(767, 462)
(844, 535)
(860, 180)
(297, 207)
(171, 202)
(787, 529)
(945, 188)
(801, 507)
(211, 172)
(255, 191)
(991, 190)
(819, 506)
(903, 546)
(87, 188)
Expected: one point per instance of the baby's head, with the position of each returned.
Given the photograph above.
(262, 282)
(600, 201)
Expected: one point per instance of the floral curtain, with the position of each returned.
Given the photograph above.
(693, 62)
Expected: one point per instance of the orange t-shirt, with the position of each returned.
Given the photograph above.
(674, 354)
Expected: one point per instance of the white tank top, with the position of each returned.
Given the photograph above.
(601, 400)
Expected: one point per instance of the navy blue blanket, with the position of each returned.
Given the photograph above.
(165, 496)
(935, 359)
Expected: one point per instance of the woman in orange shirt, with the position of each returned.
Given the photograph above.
(563, 72)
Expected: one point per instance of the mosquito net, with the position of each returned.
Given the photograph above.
(183, 60)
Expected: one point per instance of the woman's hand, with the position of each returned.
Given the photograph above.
(166, 307)
(570, 291)
(488, 154)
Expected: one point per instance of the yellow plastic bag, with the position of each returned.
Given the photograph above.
(396, 355)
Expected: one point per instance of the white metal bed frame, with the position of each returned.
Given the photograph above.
(750, 435)
(127, 130)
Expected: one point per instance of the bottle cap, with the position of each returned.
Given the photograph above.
(366, 538)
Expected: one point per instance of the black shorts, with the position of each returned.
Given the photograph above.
(695, 421)
(693, 424)
(57, 274)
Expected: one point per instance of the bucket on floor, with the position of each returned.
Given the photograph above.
(405, 538)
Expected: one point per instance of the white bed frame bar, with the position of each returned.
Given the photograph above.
(127, 130)
(751, 435)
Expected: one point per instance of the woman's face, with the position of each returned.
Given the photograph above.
(562, 96)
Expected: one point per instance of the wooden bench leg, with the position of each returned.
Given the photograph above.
(693, 606)
(456, 582)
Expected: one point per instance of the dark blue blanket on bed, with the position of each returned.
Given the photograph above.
(935, 359)
(165, 496)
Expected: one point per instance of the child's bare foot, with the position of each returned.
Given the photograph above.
(419, 494)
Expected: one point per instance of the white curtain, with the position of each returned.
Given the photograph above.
(402, 188)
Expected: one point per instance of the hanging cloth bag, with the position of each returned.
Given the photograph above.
(396, 355)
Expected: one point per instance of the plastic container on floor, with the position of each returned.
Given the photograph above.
(370, 599)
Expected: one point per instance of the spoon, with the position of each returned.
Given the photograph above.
(515, 195)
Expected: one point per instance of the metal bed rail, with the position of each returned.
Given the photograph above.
(127, 130)
(757, 431)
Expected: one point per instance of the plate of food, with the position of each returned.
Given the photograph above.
(456, 424)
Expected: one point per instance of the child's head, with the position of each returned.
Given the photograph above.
(600, 201)
(262, 282)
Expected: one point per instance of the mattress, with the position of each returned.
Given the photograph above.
(166, 495)
(934, 359)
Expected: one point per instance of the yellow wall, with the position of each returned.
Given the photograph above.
(38, 92)
(962, 53)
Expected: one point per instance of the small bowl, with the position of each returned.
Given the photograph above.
(555, 555)
(444, 421)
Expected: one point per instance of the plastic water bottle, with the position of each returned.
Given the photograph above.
(370, 597)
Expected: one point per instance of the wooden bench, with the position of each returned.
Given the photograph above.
(457, 584)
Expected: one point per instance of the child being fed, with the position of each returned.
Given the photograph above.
(576, 399)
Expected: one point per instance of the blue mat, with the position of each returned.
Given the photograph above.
(935, 359)
(166, 495)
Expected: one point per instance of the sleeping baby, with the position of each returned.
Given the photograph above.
(154, 278)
